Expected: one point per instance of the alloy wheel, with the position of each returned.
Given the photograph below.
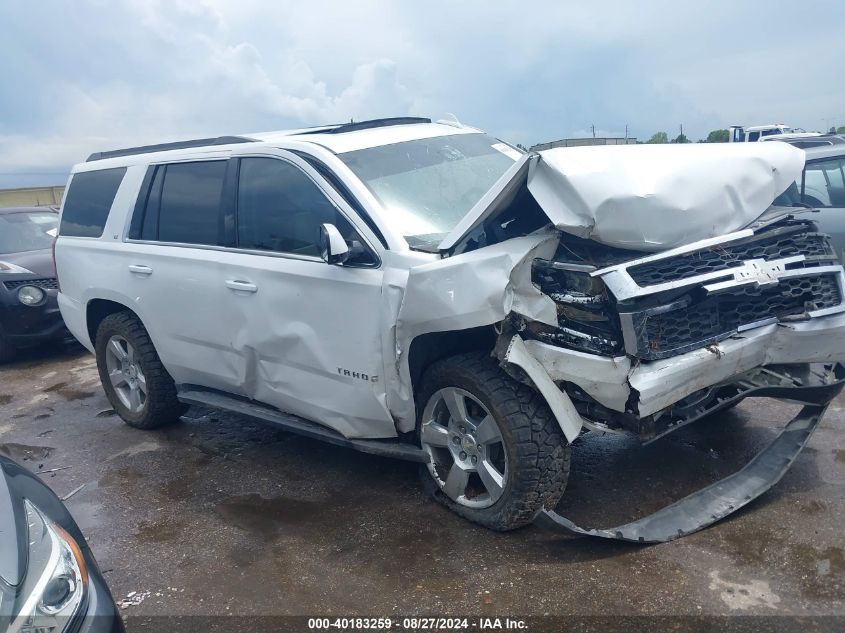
(125, 374)
(466, 450)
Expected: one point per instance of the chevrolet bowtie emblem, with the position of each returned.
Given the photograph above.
(758, 272)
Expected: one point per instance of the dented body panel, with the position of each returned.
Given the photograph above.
(474, 289)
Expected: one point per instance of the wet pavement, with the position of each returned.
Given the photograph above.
(219, 515)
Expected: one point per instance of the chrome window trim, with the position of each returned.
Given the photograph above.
(227, 249)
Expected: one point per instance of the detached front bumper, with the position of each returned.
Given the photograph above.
(715, 502)
(653, 386)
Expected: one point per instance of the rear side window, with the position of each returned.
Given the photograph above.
(88, 201)
(182, 203)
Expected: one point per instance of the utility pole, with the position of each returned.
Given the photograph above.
(593, 129)
(626, 131)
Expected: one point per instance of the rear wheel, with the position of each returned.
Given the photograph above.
(497, 454)
(136, 383)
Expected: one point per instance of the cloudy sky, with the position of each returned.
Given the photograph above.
(98, 74)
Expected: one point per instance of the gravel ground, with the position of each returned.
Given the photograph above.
(220, 515)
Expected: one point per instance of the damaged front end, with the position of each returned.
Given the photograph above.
(692, 327)
(650, 343)
(670, 289)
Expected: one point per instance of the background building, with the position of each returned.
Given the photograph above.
(580, 142)
(32, 197)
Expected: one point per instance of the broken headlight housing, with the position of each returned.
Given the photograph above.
(587, 318)
(55, 587)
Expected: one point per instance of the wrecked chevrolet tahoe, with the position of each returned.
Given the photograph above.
(425, 291)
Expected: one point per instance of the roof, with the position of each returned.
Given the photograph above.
(825, 151)
(342, 142)
(338, 138)
(760, 128)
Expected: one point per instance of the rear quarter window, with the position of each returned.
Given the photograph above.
(88, 201)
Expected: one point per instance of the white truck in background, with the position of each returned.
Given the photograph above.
(754, 133)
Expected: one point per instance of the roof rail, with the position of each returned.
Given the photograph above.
(374, 123)
(166, 147)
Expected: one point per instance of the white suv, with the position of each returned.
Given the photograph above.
(425, 291)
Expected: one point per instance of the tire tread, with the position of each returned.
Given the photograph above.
(542, 455)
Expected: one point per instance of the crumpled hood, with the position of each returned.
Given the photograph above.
(656, 197)
(646, 197)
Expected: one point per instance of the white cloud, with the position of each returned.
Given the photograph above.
(105, 74)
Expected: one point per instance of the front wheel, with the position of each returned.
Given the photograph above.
(497, 454)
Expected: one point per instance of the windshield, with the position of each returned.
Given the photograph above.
(27, 231)
(426, 186)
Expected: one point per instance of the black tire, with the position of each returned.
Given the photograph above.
(531, 437)
(161, 407)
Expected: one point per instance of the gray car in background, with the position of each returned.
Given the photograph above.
(822, 186)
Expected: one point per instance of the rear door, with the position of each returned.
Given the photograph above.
(310, 335)
(172, 267)
(823, 187)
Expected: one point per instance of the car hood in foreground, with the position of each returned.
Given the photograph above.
(11, 570)
(39, 262)
(645, 197)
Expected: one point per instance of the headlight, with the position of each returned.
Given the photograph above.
(30, 295)
(56, 580)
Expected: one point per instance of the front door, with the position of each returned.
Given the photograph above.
(309, 334)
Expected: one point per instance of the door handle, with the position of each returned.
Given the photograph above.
(242, 286)
(140, 270)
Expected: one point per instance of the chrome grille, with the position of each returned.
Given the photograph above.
(698, 323)
(798, 241)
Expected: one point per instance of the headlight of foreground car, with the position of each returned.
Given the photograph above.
(56, 582)
(30, 295)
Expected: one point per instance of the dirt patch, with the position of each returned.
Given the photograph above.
(839, 455)
(68, 392)
(5, 398)
(821, 571)
(159, 532)
(269, 517)
(183, 487)
(120, 477)
(74, 394)
(813, 507)
(750, 547)
(23, 452)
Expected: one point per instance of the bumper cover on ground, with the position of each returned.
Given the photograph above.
(715, 502)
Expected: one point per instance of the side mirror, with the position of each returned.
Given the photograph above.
(333, 247)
